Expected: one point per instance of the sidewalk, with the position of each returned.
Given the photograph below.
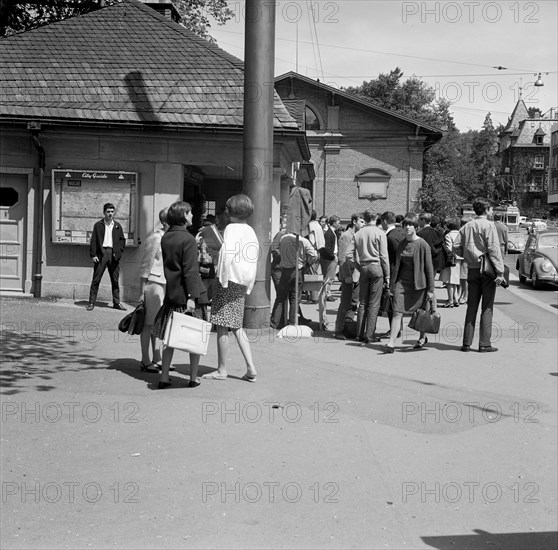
(334, 446)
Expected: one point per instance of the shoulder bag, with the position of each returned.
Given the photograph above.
(133, 322)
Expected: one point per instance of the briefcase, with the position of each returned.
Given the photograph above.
(187, 333)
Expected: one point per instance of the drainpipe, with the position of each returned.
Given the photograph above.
(325, 180)
(38, 275)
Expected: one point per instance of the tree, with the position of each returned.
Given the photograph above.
(17, 16)
(485, 161)
(439, 195)
(413, 98)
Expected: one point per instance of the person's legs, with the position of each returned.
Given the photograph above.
(374, 299)
(244, 345)
(364, 297)
(395, 327)
(145, 339)
(292, 295)
(488, 290)
(474, 288)
(277, 314)
(345, 305)
(165, 366)
(222, 349)
(194, 364)
(98, 271)
(114, 272)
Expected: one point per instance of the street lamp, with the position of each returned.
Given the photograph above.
(539, 82)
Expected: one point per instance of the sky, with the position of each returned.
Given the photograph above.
(455, 47)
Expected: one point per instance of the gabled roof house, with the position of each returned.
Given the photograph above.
(119, 105)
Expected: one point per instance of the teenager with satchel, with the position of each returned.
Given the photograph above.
(412, 280)
(184, 290)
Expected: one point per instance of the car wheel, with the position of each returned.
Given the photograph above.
(537, 285)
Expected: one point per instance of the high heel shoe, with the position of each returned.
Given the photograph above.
(163, 385)
(152, 368)
(388, 349)
(419, 344)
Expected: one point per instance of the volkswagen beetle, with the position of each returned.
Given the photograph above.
(539, 260)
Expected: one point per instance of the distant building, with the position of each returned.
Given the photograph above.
(524, 151)
(553, 172)
(364, 155)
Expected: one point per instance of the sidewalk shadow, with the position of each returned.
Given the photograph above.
(131, 367)
(34, 356)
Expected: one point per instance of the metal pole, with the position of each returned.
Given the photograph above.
(259, 56)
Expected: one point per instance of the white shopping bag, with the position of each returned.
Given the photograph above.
(187, 333)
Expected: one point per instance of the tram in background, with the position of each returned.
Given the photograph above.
(510, 216)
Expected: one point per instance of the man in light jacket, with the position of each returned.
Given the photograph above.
(475, 239)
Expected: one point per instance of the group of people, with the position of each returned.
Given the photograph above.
(381, 255)
(377, 255)
(172, 264)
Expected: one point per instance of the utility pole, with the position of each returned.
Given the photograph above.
(259, 57)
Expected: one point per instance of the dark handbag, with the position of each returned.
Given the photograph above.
(450, 258)
(426, 319)
(133, 322)
(487, 267)
(385, 303)
(207, 271)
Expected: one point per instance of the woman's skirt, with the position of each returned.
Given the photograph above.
(164, 314)
(406, 299)
(153, 297)
(227, 305)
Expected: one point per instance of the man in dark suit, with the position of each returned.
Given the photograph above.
(434, 239)
(105, 249)
(395, 235)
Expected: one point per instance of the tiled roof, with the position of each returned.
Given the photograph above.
(123, 64)
(296, 108)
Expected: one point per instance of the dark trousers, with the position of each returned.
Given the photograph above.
(345, 310)
(286, 289)
(371, 282)
(107, 261)
(480, 287)
(276, 277)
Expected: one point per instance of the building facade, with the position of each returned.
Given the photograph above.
(119, 105)
(364, 156)
(524, 151)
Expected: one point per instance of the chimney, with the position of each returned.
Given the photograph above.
(165, 8)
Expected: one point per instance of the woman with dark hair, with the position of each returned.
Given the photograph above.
(185, 291)
(412, 280)
(236, 275)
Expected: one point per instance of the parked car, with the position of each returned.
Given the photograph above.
(539, 261)
(538, 224)
(523, 221)
(516, 241)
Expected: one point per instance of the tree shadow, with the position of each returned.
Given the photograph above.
(35, 356)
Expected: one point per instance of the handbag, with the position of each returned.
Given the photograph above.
(187, 333)
(426, 319)
(133, 322)
(487, 267)
(386, 303)
(450, 258)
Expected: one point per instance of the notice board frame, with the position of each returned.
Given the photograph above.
(78, 196)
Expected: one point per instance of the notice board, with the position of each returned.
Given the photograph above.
(78, 197)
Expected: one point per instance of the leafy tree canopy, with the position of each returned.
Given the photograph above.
(17, 16)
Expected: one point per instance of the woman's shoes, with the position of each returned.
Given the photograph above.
(420, 344)
(448, 304)
(249, 377)
(164, 385)
(456, 304)
(388, 349)
(193, 384)
(152, 368)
